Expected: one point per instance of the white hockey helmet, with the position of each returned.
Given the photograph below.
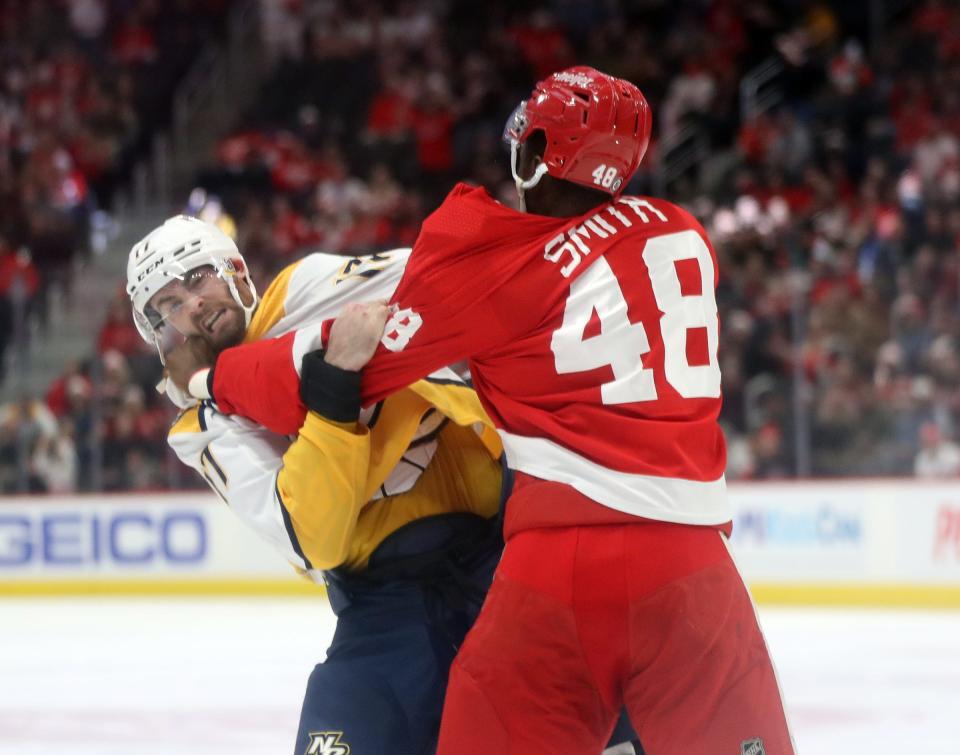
(170, 251)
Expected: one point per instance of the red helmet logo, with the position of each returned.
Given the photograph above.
(597, 127)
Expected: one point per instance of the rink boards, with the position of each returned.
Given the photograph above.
(849, 542)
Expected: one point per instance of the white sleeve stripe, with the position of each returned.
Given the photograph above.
(306, 340)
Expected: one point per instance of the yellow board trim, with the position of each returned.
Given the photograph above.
(835, 595)
(164, 587)
(857, 595)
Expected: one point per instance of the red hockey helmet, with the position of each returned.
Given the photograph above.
(597, 129)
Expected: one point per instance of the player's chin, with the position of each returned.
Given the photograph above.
(229, 334)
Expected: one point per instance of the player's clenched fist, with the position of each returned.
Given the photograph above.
(356, 333)
(193, 354)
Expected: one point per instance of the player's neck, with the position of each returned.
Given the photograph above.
(561, 199)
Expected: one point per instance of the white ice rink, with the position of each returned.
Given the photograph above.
(210, 677)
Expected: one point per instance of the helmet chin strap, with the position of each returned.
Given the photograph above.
(248, 310)
(522, 185)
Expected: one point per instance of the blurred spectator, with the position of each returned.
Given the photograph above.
(88, 19)
(938, 457)
(54, 461)
(433, 120)
(24, 425)
(134, 42)
(118, 332)
(542, 43)
(19, 281)
(390, 115)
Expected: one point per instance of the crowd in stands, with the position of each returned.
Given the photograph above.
(839, 237)
(83, 84)
(835, 213)
(99, 426)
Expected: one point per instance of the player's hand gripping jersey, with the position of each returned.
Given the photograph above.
(329, 495)
(592, 343)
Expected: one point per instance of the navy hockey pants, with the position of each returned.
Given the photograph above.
(381, 689)
(399, 626)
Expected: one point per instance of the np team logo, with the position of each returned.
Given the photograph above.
(752, 747)
(327, 743)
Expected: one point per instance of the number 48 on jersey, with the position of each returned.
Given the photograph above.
(621, 343)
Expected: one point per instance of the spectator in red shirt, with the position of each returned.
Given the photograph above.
(543, 44)
(233, 151)
(297, 170)
(118, 332)
(63, 391)
(390, 116)
(755, 137)
(19, 281)
(291, 230)
(134, 42)
(433, 123)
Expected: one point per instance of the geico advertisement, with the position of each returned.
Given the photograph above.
(827, 531)
(165, 535)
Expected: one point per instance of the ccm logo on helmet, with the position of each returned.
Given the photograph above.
(149, 269)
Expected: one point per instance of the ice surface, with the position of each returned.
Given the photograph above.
(199, 676)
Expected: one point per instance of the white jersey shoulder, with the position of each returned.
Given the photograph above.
(320, 284)
(240, 461)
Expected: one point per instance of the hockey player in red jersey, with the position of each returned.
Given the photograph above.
(590, 325)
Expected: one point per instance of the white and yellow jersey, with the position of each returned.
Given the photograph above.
(329, 496)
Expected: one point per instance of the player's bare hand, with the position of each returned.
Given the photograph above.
(183, 361)
(356, 333)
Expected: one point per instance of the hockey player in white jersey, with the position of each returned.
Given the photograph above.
(394, 507)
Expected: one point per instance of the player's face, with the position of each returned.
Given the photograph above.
(199, 304)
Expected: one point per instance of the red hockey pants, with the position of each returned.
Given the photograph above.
(582, 620)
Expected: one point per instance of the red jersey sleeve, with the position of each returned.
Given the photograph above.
(455, 300)
(460, 295)
(259, 381)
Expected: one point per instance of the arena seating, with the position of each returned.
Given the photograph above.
(834, 212)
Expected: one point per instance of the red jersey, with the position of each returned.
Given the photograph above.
(592, 342)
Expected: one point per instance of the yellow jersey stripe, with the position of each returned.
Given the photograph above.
(187, 422)
(272, 305)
